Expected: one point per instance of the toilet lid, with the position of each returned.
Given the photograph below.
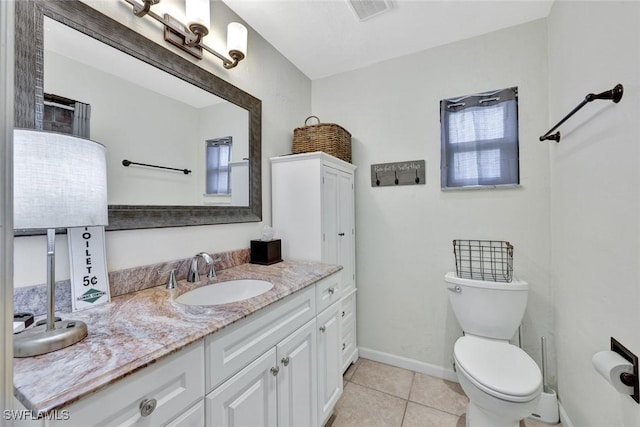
(499, 368)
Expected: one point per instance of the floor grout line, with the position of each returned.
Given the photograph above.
(406, 402)
(404, 413)
(379, 391)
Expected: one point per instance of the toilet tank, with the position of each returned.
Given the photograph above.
(487, 309)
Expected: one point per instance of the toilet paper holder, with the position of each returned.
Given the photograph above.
(628, 379)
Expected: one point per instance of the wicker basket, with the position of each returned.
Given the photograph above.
(327, 137)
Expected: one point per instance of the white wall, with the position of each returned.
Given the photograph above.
(137, 124)
(266, 74)
(222, 120)
(595, 201)
(404, 234)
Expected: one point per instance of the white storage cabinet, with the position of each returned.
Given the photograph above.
(313, 212)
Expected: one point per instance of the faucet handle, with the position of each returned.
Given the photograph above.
(171, 284)
(212, 269)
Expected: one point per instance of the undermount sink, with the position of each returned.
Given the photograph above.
(225, 292)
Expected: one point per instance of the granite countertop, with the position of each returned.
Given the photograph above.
(136, 329)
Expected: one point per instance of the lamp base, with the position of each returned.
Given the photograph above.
(36, 341)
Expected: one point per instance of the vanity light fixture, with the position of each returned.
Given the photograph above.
(59, 181)
(189, 37)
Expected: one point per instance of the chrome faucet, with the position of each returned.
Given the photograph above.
(193, 275)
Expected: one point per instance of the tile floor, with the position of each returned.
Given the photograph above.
(379, 395)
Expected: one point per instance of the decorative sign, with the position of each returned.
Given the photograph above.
(89, 279)
(399, 173)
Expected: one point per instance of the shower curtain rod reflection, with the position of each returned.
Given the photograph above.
(614, 95)
(128, 162)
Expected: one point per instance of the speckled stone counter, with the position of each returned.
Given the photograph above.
(138, 328)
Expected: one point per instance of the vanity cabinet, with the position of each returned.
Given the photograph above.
(313, 213)
(281, 367)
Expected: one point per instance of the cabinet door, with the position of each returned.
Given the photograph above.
(248, 399)
(297, 378)
(329, 361)
(330, 217)
(346, 231)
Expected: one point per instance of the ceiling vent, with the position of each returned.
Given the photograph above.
(366, 9)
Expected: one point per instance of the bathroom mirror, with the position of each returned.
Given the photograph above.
(139, 196)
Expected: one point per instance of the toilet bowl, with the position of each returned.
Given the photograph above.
(502, 382)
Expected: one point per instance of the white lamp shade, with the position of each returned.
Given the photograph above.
(198, 12)
(237, 38)
(59, 181)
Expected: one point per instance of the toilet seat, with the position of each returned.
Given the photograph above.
(498, 368)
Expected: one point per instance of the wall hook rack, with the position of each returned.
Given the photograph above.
(127, 163)
(614, 95)
(399, 173)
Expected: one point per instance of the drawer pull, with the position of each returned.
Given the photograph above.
(275, 370)
(285, 361)
(331, 290)
(340, 234)
(343, 313)
(147, 406)
(344, 345)
(323, 328)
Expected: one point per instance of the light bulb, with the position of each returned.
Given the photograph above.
(237, 38)
(198, 13)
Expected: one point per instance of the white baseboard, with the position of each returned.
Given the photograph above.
(406, 363)
(564, 418)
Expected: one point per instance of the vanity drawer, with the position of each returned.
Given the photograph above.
(175, 383)
(328, 291)
(233, 348)
(348, 343)
(348, 311)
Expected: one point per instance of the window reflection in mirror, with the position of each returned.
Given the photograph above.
(145, 115)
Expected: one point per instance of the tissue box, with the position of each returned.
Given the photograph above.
(266, 253)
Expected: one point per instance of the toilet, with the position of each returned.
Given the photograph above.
(502, 382)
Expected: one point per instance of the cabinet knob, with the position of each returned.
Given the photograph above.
(285, 361)
(147, 406)
(343, 313)
(323, 328)
(275, 370)
(331, 290)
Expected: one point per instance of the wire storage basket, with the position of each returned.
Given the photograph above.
(484, 260)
